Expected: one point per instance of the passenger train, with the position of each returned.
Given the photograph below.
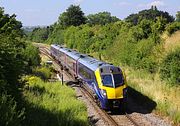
(106, 81)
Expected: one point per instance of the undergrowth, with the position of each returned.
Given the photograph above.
(167, 97)
(52, 104)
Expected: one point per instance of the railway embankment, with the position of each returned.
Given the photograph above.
(154, 94)
(52, 104)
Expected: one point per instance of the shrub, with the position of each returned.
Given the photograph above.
(43, 72)
(31, 54)
(143, 56)
(173, 27)
(170, 68)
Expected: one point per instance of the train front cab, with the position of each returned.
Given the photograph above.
(112, 87)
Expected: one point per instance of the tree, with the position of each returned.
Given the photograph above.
(101, 18)
(150, 14)
(73, 16)
(40, 34)
(13, 59)
(9, 24)
(178, 16)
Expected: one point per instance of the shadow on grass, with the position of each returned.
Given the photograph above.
(39, 116)
(139, 103)
(38, 89)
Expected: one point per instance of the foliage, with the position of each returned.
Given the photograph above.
(57, 35)
(101, 18)
(73, 16)
(9, 25)
(178, 16)
(10, 116)
(135, 51)
(31, 54)
(150, 14)
(170, 67)
(43, 72)
(52, 104)
(40, 34)
(13, 63)
(173, 27)
(88, 39)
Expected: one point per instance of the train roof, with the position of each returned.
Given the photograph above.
(84, 59)
(92, 63)
(73, 54)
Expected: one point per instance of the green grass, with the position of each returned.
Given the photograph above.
(51, 104)
(167, 97)
(44, 72)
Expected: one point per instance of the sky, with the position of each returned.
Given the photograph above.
(46, 12)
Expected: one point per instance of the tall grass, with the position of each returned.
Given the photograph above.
(9, 113)
(43, 72)
(166, 96)
(51, 104)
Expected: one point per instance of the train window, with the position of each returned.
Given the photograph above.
(118, 79)
(107, 80)
(74, 66)
(85, 73)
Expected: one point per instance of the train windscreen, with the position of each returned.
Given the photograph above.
(107, 80)
(118, 79)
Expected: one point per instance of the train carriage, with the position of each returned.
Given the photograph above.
(108, 83)
(71, 62)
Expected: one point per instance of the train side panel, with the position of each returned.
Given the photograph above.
(54, 52)
(85, 74)
(71, 65)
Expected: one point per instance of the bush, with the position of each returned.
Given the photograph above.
(173, 27)
(170, 68)
(31, 54)
(43, 72)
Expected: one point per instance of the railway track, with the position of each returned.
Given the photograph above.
(112, 120)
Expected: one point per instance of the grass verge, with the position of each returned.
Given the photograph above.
(166, 97)
(51, 104)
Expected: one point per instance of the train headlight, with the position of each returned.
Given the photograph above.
(103, 92)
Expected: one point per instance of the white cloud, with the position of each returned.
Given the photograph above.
(78, 2)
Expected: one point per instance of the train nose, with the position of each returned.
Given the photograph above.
(115, 93)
